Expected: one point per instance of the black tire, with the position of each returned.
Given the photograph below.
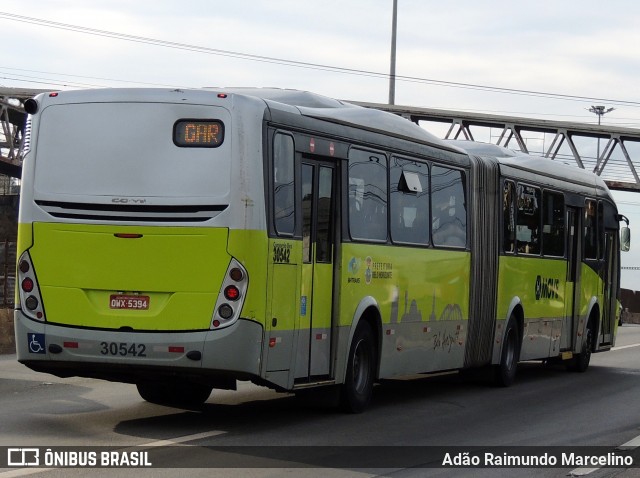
(580, 362)
(175, 394)
(358, 385)
(505, 372)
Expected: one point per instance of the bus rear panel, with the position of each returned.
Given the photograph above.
(125, 257)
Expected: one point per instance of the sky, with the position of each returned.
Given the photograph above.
(450, 55)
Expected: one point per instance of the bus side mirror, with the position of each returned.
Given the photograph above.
(625, 239)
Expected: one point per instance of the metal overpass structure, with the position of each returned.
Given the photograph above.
(12, 120)
(611, 152)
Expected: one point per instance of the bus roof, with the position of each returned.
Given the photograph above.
(302, 102)
(336, 111)
(514, 161)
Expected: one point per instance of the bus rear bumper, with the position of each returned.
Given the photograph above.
(128, 356)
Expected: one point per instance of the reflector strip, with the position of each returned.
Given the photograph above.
(172, 349)
(128, 236)
(274, 340)
(71, 345)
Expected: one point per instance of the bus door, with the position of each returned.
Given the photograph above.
(572, 297)
(609, 284)
(318, 182)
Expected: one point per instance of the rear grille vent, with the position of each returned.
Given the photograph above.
(130, 212)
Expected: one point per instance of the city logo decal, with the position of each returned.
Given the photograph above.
(368, 274)
(373, 270)
(354, 267)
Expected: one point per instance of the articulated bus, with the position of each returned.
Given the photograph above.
(182, 240)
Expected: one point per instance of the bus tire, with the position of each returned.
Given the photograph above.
(174, 394)
(358, 385)
(505, 372)
(580, 362)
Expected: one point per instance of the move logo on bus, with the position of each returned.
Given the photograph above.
(547, 288)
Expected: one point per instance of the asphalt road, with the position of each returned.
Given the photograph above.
(406, 428)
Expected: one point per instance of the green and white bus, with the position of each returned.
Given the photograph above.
(182, 240)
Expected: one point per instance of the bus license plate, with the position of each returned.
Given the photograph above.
(129, 302)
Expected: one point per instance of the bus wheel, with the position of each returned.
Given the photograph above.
(175, 394)
(505, 372)
(358, 385)
(580, 362)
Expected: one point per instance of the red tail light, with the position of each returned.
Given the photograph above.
(232, 293)
(27, 285)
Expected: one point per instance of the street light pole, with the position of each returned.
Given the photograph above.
(600, 111)
(392, 71)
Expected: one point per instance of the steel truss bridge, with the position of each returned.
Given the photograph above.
(611, 152)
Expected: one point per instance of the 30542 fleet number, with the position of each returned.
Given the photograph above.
(123, 349)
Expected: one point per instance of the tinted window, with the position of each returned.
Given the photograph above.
(553, 224)
(509, 216)
(307, 212)
(528, 220)
(409, 201)
(590, 230)
(324, 235)
(601, 237)
(367, 195)
(283, 188)
(448, 207)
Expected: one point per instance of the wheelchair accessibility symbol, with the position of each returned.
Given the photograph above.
(36, 343)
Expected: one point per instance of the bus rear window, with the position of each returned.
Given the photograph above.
(198, 133)
(87, 150)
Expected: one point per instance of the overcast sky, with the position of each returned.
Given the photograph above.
(578, 48)
(581, 48)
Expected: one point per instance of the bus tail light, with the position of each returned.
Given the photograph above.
(231, 293)
(29, 292)
(231, 296)
(27, 284)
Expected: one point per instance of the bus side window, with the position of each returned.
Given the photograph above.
(448, 208)
(508, 217)
(367, 195)
(356, 214)
(553, 224)
(528, 217)
(409, 201)
(601, 235)
(283, 184)
(590, 230)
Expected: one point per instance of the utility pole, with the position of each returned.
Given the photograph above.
(392, 71)
(600, 111)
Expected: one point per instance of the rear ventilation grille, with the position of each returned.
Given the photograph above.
(130, 212)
